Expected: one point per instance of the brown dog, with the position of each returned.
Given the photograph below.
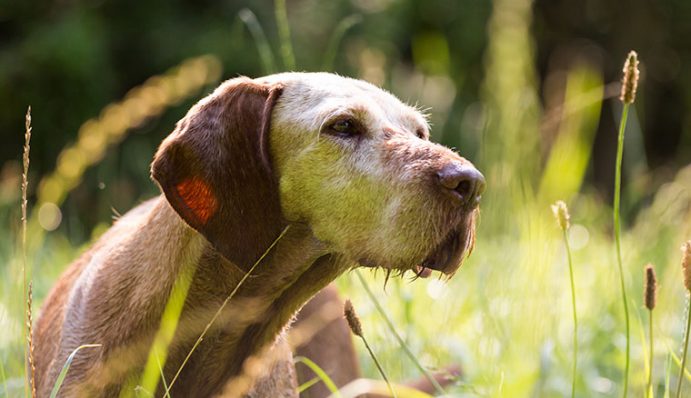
(342, 171)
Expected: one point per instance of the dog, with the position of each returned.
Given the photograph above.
(283, 182)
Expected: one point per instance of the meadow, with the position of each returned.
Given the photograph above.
(506, 317)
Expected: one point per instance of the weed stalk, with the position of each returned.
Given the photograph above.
(27, 303)
(402, 343)
(356, 328)
(284, 34)
(561, 212)
(628, 96)
(649, 293)
(686, 267)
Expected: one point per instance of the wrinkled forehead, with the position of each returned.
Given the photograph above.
(310, 99)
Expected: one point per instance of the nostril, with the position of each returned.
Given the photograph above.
(466, 182)
(465, 188)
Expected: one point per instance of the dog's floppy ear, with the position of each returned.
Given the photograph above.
(215, 170)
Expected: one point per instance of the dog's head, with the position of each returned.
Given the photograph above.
(340, 155)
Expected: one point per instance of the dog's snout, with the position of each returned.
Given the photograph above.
(464, 182)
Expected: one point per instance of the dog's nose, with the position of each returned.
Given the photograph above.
(464, 182)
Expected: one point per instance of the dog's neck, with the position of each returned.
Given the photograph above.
(291, 272)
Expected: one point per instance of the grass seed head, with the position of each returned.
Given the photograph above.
(650, 290)
(686, 264)
(352, 318)
(629, 82)
(561, 213)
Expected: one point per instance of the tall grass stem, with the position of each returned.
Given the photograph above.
(402, 343)
(27, 309)
(257, 32)
(649, 297)
(336, 38)
(381, 370)
(649, 391)
(683, 355)
(617, 239)
(3, 377)
(575, 317)
(284, 34)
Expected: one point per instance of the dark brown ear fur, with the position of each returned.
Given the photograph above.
(215, 170)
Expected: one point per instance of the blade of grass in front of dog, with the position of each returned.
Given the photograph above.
(169, 323)
(336, 38)
(321, 375)
(265, 54)
(392, 328)
(284, 34)
(220, 309)
(309, 383)
(66, 368)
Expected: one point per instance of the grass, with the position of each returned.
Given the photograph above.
(649, 296)
(503, 316)
(686, 267)
(356, 328)
(628, 96)
(561, 213)
(66, 367)
(26, 296)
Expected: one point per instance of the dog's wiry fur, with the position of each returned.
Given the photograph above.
(247, 162)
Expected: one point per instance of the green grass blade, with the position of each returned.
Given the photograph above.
(682, 366)
(265, 54)
(617, 240)
(66, 368)
(336, 38)
(284, 34)
(309, 383)
(166, 331)
(320, 374)
(3, 377)
(574, 313)
(677, 361)
(223, 305)
(668, 374)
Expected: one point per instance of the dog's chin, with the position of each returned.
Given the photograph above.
(446, 257)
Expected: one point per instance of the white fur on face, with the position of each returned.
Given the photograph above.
(372, 197)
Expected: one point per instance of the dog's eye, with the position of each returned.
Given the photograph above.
(343, 128)
(420, 134)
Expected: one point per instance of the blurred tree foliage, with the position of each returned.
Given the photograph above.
(68, 59)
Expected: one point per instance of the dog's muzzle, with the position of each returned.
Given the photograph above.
(464, 185)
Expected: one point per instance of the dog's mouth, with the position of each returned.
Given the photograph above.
(448, 255)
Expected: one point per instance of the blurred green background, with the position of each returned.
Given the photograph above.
(526, 90)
